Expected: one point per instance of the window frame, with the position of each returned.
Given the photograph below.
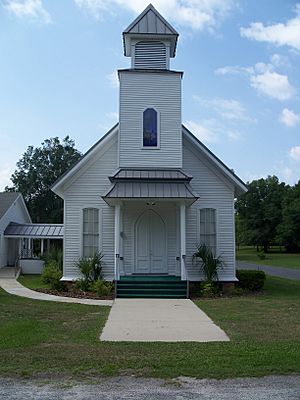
(216, 227)
(99, 243)
(157, 147)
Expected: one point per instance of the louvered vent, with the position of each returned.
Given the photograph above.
(150, 55)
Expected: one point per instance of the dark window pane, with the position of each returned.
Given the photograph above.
(150, 128)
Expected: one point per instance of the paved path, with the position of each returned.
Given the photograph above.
(10, 285)
(281, 272)
(160, 320)
(125, 388)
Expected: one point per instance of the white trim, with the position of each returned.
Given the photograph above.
(25, 207)
(56, 188)
(117, 241)
(216, 227)
(183, 240)
(81, 227)
(158, 129)
(230, 175)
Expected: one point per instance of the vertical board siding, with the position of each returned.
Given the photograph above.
(138, 91)
(86, 191)
(213, 192)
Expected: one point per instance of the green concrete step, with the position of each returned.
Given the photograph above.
(152, 296)
(146, 278)
(151, 286)
(156, 285)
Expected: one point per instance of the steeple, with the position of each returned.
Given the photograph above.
(150, 41)
(150, 132)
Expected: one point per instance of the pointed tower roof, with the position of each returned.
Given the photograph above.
(150, 24)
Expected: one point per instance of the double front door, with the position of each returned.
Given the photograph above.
(150, 244)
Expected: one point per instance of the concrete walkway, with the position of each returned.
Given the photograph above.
(11, 286)
(281, 272)
(156, 320)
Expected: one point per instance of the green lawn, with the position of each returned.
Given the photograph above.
(33, 282)
(53, 339)
(275, 258)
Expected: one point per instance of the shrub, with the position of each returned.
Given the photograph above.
(82, 284)
(209, 263)
(250, 279)
(208, 289)
(52, 275)
(91, 268)
(101, 288)
(54, 254)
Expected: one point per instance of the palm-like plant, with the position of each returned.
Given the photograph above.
(208, 262)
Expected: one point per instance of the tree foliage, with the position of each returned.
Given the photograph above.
(289, 229)
(260, 211)
(37, 170)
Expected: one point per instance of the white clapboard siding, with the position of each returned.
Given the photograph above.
(18, 214)
(214, 192)
(150, 54)
(84, 191)
(138, 91)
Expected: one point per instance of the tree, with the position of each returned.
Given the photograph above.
(289, 229)
(37, 170)
(260, 211)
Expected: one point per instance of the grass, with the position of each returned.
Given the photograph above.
(33, 282)
(61, 340)
(275, 258)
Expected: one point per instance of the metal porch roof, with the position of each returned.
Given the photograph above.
(150, 184)
(35, 231)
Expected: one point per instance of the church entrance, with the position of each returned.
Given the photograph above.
(150, 244)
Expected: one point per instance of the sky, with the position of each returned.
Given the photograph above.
(240, 90)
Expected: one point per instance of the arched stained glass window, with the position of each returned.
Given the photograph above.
(150, 128)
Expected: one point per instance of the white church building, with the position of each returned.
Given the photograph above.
(149, 191)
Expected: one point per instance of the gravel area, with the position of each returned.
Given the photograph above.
(121, 388)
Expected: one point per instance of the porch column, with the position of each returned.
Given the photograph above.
(182, 240)
(29, 255)
(117, 240)
(42, 247)
(20, 247)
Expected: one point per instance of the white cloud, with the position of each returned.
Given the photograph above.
(233, 70)
(289, 118)
(5, 174)
(194, 14)
(273, 85)
(32, 9)
(264, 78)
(295, 153)
(113, 79)
(234, 136)
(281, 34)
(204, 134)
(227, 108)
(113, 116)
(287, 174)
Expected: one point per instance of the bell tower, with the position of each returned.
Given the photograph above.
(150, 95)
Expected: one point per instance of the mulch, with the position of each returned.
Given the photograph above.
(78, 294)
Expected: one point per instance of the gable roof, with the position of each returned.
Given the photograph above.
(239, 185)
(79, 163)
(150, 23)
(6, 201)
